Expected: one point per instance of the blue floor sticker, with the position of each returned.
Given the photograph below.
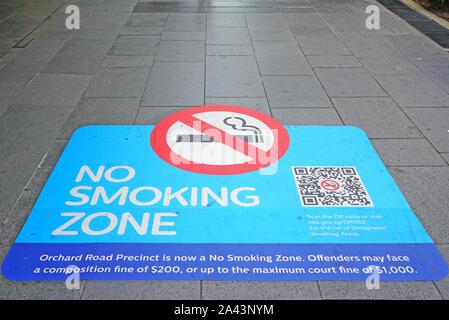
(143, 202)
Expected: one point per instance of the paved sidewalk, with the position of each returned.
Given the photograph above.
(305, 62)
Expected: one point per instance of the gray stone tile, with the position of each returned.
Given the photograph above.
(417, 290)
(218, 35)
(28, 129)
(147, 20)
(270, 290)
(407, 152)
(233, 76)
(307, 116)
(443, 285)
(436, 224)
(105, 20)
(433, 123)
(135, 46)
(226, 20)
(259, 104)
(424, 187)
(149, 31)
(229, 50)
(79, 56)
(195, 22)
(15, 172)
(266, 22)
(439, 74)
(175, 84)
(414, 91)
(413, 45)
(152, 115)
(379, 117)
(349, 82)
(321, 41)
(389, 65)
(430, 60)
(154, 290)
(295, 91)
(445, 156)
(101, 111)
(95, 34)
(363, 45)
(181, 51)
(11, 290)
(188, 36)
(283, 36)
(52, 90)
(128, 61)
(333, 61)
(52, 31)
(277, 58)
(118, 82)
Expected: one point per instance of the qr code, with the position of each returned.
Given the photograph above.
(331, 187)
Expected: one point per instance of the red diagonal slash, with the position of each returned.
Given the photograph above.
(258, 155)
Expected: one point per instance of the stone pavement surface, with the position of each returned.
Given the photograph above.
(305, 62)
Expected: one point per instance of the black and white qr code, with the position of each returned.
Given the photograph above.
(331, 187)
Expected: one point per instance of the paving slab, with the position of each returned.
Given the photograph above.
(307, 116)
(79, 56)
(417, 290)
(424, 187)
(445, 156)
(433, 124)
(51, 90)
(179, 35)
(28, 129)
(266, 22)
(152, 115)
(382, 65)
(414, 90)
(282, 36)
(195, 22)
(15, 173)
(233, 76)
(175, 84)
(276, 58)
(333, 61)
(349, 82)
(181, 51)
(135, 46)
(141, 31)
(128, 61)
(118, 83)
(152, 290)
(379, 117)
(443, 285)
(259, 104)
(412, 45)
(314, 41)
(147, 20)
(34, 290)
(233, 20)
(270, 290)
(101, 111)
(295, 91)
(439, 75)
(229, 50)
(219, 35)
(407, 152)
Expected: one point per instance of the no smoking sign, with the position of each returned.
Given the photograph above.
(219, 140)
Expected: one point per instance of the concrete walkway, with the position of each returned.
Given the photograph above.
(305, 62)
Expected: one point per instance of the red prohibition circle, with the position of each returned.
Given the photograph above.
(330, 185)
(160, 146)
